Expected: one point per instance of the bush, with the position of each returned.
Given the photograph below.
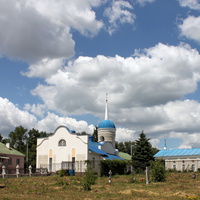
(89, 179)
(116, 166)
(158, 171)
(62, 173)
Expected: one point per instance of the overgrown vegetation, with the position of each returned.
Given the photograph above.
(116, 166)
(158, 171)
(89, 179)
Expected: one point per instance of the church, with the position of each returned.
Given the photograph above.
(66, 149)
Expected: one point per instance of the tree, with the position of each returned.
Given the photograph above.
(158, 171)
(18, 139)
(142, 153)
(125, 147)
(33, 134)
(95, 134)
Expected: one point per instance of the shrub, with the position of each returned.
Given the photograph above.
(116, 166)
(62, 173)
(158, 171)
(89, 179)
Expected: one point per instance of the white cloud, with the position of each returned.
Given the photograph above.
(118, 13)
(124, 135)
(11, 116)
(192, 4)
(44, 68)
(34, 30)
(162, 74)
(190, 28)
(38, 110)
(52, 121)
(144, 2)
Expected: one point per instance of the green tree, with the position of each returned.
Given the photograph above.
(142, 153)
(95, 134)
(158, 171)
(18, 139)
(33, 134)
(1, 138)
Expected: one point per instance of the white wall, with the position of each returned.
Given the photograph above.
(61, 153)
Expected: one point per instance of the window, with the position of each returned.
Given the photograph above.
(183, 167)
(62, 143)
(10, 161)
(174, 167)
(193, 167)
(18, 161)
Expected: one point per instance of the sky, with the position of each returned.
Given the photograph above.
(58, 59)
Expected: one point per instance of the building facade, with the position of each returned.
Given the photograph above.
(180, 159)
(10, 158)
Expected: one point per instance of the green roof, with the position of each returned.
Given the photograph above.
(10, 151)
(125, 156)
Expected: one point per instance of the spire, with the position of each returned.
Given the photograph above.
(106, 109)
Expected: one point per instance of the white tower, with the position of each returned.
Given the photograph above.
(106, 128)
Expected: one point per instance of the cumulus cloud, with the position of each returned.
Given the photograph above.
(190, 28)
(52, 121)
(161, 74)
(119, 13)
(192, 4)
(124, 134)
(44, 68)
(11, 116)
(37, 109)
(34, 30)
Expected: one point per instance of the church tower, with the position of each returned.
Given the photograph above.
(106, 128)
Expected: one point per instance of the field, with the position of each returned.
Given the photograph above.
(178, 186)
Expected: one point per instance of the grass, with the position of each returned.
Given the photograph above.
(178, 186)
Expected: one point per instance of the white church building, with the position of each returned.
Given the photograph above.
(66, 149)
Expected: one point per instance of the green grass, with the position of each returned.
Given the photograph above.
(179, 186)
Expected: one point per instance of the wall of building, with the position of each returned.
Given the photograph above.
(184, 164)
(50, 153)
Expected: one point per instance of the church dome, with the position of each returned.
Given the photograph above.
(106, 124)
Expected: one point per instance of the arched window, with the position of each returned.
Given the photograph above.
(193, 167)
(183, 167)
(62, 143)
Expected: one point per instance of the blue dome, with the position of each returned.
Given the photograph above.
(106, 124)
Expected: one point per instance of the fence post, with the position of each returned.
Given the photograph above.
(147, 175)
(17, 171)
(3, 171)
(30, 170)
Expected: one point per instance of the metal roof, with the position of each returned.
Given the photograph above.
(178, 152)
(9, 151)
(112, 157)
(93, 146)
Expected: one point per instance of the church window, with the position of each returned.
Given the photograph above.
(193, 167)
(183, 167)
(62, 143)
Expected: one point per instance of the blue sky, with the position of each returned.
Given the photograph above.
(58, 59)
